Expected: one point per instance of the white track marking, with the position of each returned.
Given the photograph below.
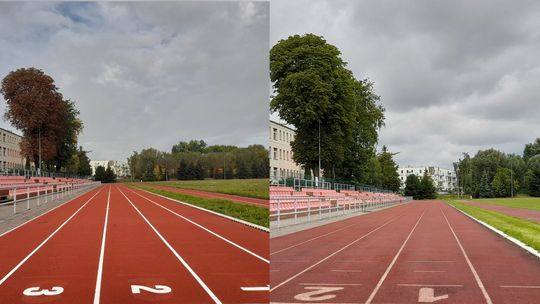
(317, 293)
(379, 284)
(332, 254)
(476, 277)
(159, 289)
(262, 288)
(427, 295)
(37, 291)
(430, 261)
(195, 276)
(206, 229)
(45, 241)
(64, 203)
(97, 291)
(428, 285)
(528, 287)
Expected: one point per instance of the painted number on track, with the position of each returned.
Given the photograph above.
(37, 291)
(136, 289)
(427, 295)
(318, 293)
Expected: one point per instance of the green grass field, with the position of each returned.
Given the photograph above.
(257, 188)
(253, 214)
(532, 203)
(526, 231)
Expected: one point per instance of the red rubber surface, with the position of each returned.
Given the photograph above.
(207, 194)
(197, 266)
(389, 255)
(526, 214)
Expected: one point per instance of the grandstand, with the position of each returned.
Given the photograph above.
(13, 187)
(303, 204)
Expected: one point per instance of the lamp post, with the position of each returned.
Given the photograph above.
(39, 147)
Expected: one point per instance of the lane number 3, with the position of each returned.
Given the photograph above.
(37, 291)
(136, 289)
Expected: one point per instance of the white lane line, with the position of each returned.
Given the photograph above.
(262, 288)
(379, 284)
(344, 270)
(97, 291)
(45, 241)
(197, 278)
(511, 286)
(428, 285)
(476, 276)
(430, 271)
(329, 284)
(332, 254)
(206, 229)
(62, 204)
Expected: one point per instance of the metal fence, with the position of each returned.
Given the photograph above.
(22, 195)
(36, 173)
(286, 211)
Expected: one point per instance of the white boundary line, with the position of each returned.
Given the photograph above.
(332, 254)
(97, 292)
(205, 229)
(473, 270)
(62, 204)
(209, 211)
(197, 278)
(504, 235)
(45, 241)
(385, 274)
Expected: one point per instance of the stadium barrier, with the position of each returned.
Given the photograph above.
(42, 193)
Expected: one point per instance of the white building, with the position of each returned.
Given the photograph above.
(121, 169)
(444, 180)
(282, 164)
(10, 151)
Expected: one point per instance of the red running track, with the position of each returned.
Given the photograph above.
(118, 245)
(207, 194)
(420, 252)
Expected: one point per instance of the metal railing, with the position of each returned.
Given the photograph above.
(21, 194)
(321, 208)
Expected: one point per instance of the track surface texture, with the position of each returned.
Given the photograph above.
(526, 214)
(116, 244)
(206, 194)
(420, 252)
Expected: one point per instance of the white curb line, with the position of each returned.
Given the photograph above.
(210, 211)
(504, 235)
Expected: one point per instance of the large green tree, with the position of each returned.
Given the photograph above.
(533, 175)
(315, 92)
(412, 186)
(390, 175)
(531, 149)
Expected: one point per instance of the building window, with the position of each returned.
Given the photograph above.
(275, 134)
(275, 153)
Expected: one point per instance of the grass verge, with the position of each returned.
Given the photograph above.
(526, 231)
(256, 188)
(253, 214)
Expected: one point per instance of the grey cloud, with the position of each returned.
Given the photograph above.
(454, 76)
(151, 74)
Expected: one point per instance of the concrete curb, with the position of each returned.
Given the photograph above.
(504, 235)
(212, 212)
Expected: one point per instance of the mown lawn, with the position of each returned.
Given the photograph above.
(256, 188)
(253, 214)
(526, 231)
(532, 203)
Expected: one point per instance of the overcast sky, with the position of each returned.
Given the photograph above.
(148, 74)
(454, 76)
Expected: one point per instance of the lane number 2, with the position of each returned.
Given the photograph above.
(136, 289)
(37, 291)
(317, 293)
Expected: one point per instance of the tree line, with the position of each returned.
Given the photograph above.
(50, 124)
(492, 173)
(420, 188)
(104, 175)
(196, 160)
(316, 93)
